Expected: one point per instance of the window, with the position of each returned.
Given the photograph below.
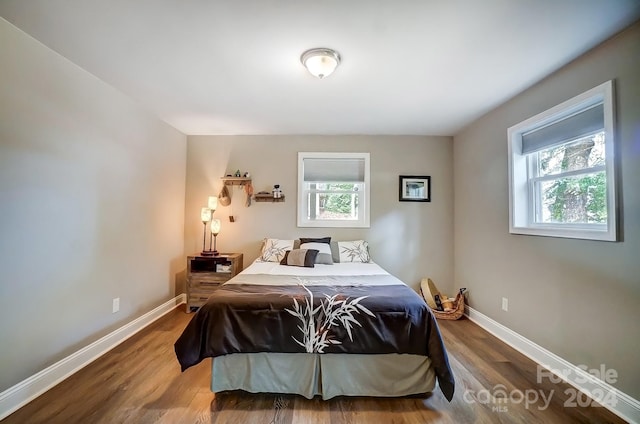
(333, 189)
(562, 170)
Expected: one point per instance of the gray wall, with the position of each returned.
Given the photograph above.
(91, 207)
(579, 299)
(409, 239)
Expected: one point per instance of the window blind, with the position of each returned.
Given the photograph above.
(333, 170)
(586, 122)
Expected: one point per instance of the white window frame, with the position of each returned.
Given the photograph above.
(522, 196)
(363, 220)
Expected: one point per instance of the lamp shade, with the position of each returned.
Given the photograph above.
(205, 214)
(215, 226)
(320, 62)
(213, 203)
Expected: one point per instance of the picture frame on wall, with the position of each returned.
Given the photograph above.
(415, 188)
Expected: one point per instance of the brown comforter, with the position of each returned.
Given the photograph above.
(358, 318)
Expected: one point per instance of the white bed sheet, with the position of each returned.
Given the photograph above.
(339, 274)
(347, 268)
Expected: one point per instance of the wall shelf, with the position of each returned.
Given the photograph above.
(236, 180)
(268, 199)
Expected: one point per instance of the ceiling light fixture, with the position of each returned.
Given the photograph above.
(320, 62)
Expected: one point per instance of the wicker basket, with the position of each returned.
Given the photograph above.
(429, 291)
(456, 312)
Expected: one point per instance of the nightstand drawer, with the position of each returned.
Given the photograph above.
(202, 277)
(206, 273)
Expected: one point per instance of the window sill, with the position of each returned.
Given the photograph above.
(564, 232)
(333, 224)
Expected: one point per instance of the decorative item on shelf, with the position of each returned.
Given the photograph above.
(243, 181)
(224, 197)
(225, 268)
(277, 193)
(248, 188)
(233, 181)
(215, 230)
(205, 215)
(265, 196)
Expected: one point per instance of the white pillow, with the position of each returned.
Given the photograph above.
(320, 247)
(354, 251)
(273, 249)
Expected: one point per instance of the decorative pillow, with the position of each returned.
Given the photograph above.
(324, 259)
(335, 252)
(273, 249)
(326, 240)
(324, 255)
(354, 251)
(300, 257)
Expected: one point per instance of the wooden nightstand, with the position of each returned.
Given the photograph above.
(206, 273)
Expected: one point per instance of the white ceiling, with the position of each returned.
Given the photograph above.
(408, 67)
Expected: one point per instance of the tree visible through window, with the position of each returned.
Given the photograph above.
(337, 201)
(580, 198)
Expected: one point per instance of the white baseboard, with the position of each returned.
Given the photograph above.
(24, 392)
(616, 401)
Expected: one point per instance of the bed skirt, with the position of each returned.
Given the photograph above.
(327, 375)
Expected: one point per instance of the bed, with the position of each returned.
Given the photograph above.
(345, 329)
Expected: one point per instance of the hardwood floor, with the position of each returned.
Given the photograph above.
(140, 382)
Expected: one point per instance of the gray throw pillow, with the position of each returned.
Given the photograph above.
(324, 259)
(300, 257)
(335, 251)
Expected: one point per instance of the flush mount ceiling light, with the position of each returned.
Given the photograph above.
(320, 62)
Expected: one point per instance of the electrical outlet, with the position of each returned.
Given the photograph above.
(116, 305)
(505, 304)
